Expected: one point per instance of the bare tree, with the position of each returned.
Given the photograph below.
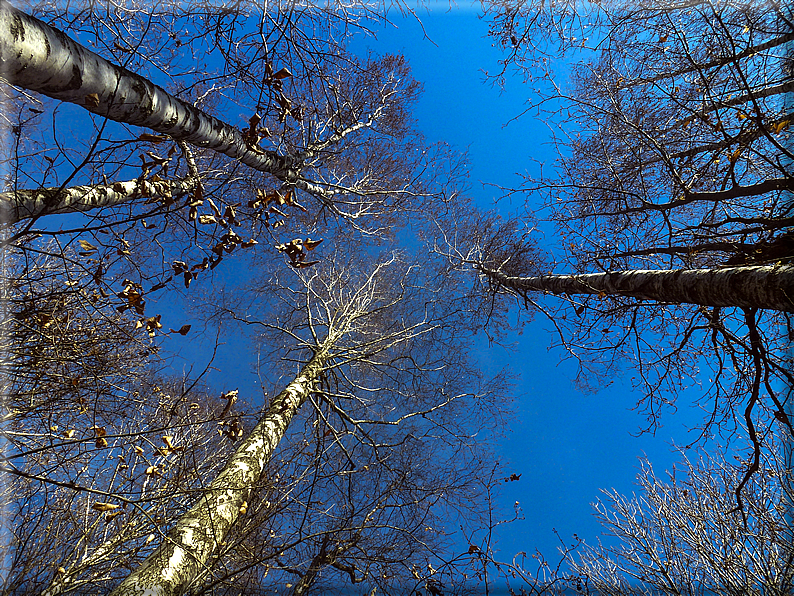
(100, 449)
(681, 535)
(318, 122)
(381, 374)
(673, 176)
(353, 105)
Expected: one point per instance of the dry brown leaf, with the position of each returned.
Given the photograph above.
(104, 506)
(87, 246)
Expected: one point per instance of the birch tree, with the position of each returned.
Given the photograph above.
(352, 327)
(320, 145)
(666, 217)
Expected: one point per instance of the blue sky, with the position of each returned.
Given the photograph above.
(566, 445)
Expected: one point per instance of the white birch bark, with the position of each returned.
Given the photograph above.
(25, 204)
(766, 287)
(189, 544)
(40, 58)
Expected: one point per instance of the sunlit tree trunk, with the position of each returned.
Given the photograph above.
(769, 287)
(190, 543)
(41, 58)
(26, 204)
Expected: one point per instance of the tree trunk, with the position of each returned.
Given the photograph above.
(26, 204)
(189, 544)
(768, 286)
(40, 58)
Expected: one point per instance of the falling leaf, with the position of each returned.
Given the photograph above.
(182, 330)
(92, 100)
(87, 246)
(310, 244)
(104, 506)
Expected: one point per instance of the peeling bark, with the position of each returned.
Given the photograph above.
(189, 544)
(769, 287)
(40, 58)
(26, 204)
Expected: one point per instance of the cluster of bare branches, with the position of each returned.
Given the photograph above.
(195, 136)
(147, 148)
(678, 535)
(670, 201)
(668, 258)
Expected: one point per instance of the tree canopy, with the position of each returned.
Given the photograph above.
(247, 166)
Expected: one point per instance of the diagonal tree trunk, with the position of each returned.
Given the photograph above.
(40, 58)
(26, 204)
(188, 546)
(768, 286)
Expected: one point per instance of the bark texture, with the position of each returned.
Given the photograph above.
(189, 544)
(40, 58)
(26, 204)
(767, 287)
